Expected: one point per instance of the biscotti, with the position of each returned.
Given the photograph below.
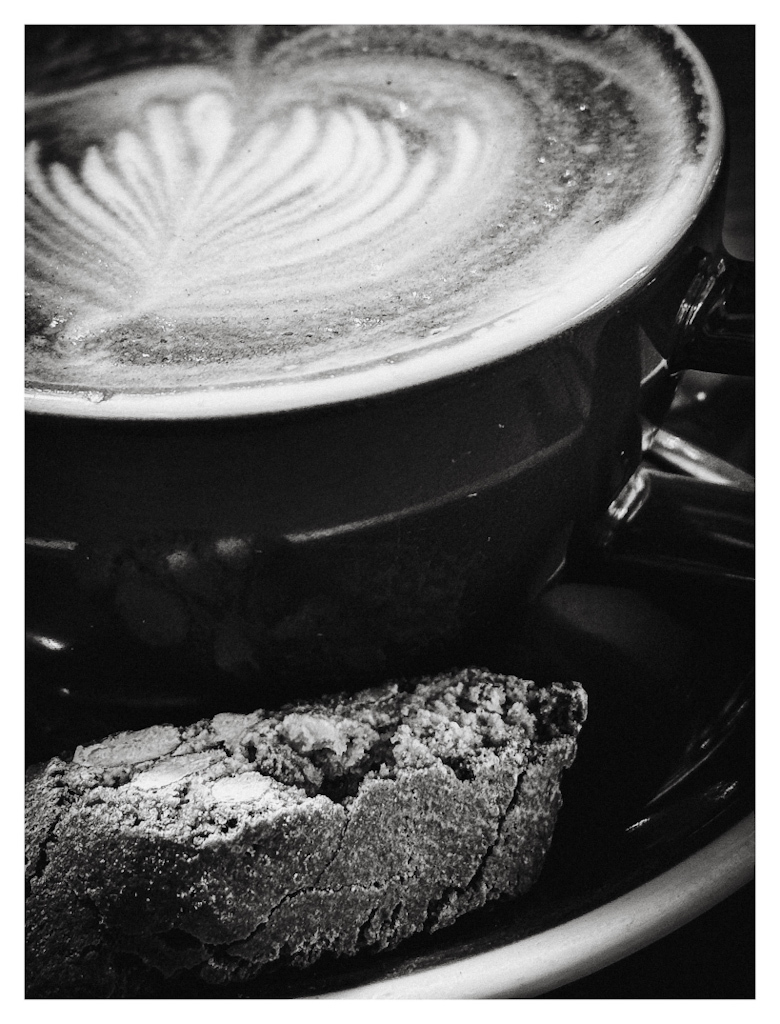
(215, 850)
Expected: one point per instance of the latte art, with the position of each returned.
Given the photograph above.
(191, 219)
(345, 205)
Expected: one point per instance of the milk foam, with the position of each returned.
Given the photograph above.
(351, 211)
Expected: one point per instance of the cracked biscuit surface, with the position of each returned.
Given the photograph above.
(215, 850)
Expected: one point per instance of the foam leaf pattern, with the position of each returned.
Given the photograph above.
(189, 216)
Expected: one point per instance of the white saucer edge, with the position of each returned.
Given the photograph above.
(544, 962)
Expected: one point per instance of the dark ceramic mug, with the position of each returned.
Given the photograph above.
(244, 558)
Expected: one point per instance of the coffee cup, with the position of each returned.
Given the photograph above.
(336, 336)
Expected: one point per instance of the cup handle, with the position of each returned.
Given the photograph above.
(674, 524)
(701, 315)
(699, 519)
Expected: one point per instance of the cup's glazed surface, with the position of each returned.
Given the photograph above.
(256, 553)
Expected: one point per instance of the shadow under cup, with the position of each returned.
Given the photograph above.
(193, 565)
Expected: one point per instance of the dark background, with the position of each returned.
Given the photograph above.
(713, 957)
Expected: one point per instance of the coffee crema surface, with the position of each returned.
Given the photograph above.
(298, 217)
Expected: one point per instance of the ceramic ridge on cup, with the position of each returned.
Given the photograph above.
(350, 211)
